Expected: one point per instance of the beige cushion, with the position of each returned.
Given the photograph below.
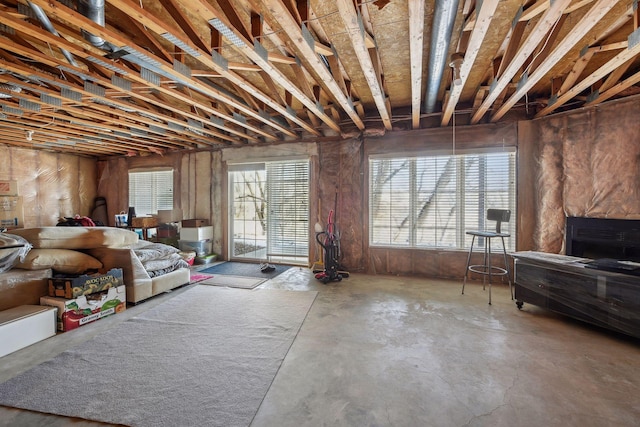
(60, 260)
(77, 237)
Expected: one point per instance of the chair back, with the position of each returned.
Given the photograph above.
(499, 216)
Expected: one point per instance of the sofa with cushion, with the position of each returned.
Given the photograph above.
(18, 286)
(148, 268)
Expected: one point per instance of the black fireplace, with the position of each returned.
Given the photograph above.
(603, 238)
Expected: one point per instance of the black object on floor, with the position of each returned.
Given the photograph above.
(245, 269)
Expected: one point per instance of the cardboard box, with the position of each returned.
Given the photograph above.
(195, 222)
(169, 215)
(8, 188)
(86, 284)
(167, 230)
(144, 221)
(11, 212)
(193, 234)
(25, 325)
(76, 312)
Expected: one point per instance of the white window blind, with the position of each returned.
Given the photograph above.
(288, 208)
(430, 201)
(150, 191)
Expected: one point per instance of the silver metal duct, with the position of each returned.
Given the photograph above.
(444, 18)
(94, 10)
(46, 23)
(9, 87)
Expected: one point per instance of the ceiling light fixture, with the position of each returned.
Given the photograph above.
(29, 135)
(455, 64)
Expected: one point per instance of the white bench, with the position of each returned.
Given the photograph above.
(25, 325)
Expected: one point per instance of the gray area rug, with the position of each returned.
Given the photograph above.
(244, 269)
(233, 281)
(203, 358)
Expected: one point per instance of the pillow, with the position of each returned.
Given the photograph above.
(77, 237)
(12, 249)
(61, 260)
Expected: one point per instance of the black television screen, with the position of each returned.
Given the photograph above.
(597, 238)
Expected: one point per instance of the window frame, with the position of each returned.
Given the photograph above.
(463, 241)
(155, 198)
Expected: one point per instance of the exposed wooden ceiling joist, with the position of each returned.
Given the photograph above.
(278, 15)
(542, 28)
(350, 18)
(483, 22)
(284, 70)
(588, 21)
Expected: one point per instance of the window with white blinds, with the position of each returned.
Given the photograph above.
(150, 191)
(288, 209)
(430, 201)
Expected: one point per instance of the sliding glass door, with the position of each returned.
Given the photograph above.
(269, 211)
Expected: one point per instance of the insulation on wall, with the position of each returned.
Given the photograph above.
(51, 185)
(340, 188)
(589, 166)
(200, 187)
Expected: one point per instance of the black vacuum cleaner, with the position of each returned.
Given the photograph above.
(331, 246)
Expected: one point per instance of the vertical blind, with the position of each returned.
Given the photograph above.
(150, 191)
(288, 208)
(430, 201)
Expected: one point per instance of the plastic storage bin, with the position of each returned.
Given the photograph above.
(200, 247)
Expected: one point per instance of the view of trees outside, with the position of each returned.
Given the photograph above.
(431, 201)
(271, 212)
(249, 213)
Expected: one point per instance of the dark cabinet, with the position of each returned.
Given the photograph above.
(565, 285)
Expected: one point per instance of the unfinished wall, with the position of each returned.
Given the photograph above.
(340, 187)
(427, 262)
(583, 163)
(588, 164)
(51, 185)
(196, 183)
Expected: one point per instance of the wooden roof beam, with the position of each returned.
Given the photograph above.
(185, 24)
(543, 51)
(485, 16)
(157, 26)
(535, 37)
(632, 51)
(250, 49)
(615, 76)
(416, 47)
(54, 8)
(278, 13)
(515, 37)
(109, 114)
(542, 5)
(107, 83)
(372, 74)
(615, 89)
(575, 72)
(588, 21)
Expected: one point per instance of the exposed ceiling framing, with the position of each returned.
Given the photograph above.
(131, 77)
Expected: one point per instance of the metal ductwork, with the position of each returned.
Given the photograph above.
(9, 87)
(444, 18)
(94, 10)
(46, 23)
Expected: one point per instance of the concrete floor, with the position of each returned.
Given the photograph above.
(397, 351)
